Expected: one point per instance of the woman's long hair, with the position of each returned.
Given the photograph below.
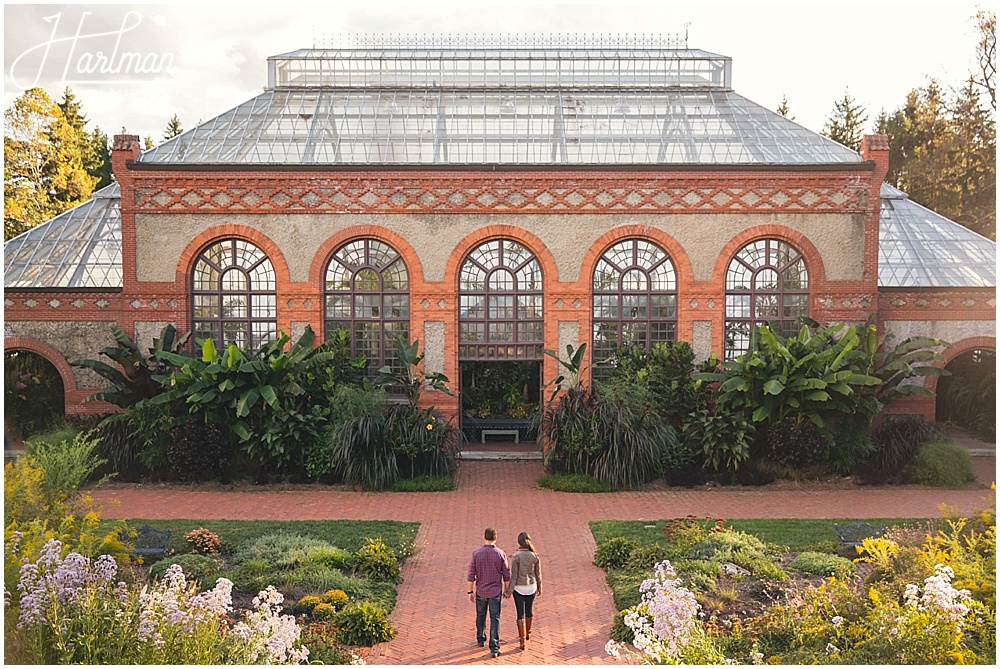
(524, 541)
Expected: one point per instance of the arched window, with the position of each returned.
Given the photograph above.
(766, 282)
(368, 295)
(634, 298)
(233, 295)
(500, 303)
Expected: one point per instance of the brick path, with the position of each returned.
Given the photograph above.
(573, 617)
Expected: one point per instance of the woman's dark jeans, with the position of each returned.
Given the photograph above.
(523, 604)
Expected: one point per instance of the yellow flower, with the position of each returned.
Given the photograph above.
(430, 426)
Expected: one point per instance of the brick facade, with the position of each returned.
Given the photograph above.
(749, 197)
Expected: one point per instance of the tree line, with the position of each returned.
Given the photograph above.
(52, 162)
(942, 143)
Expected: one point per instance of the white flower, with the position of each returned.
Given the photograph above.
(837, 621)
(830, 648)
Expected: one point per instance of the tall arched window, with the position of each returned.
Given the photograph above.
(500, 303)
(766, 282)
(634, 298)
(368, 295)
(233, 295)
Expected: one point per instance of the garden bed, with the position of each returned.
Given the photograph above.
(707, 591)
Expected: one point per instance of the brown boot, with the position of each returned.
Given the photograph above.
(527, 629)
(520, 632)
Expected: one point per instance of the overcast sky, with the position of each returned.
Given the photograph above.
(201, 59)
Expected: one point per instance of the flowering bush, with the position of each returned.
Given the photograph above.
(375, 560)
(665, 627)
(336, 598)
(323, 611)
(73, 610)
(203, 542)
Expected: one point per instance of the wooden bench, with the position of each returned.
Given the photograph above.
(148, 541)
(852, 535)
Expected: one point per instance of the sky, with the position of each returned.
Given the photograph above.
(201, 59)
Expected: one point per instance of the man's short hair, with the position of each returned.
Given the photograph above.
(490, 534)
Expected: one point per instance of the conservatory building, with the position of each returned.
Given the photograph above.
(494, 202)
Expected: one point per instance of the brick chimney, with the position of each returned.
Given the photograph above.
(123, 149)
(876, 148)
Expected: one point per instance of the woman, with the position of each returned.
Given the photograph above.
(525, 583)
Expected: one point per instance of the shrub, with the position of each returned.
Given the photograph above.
(363, 453)
(364, 624)
(324, 611)
(852, 444)
(69, 462)
(346, 403)
(614, 553)
(739, 548)
(572, 483)
(336, 598)
(321, 638)
(822, 564)
(896, 442)
(203, 542)
(722, 433)
(942, 464)
(309, 602)
(613, 438)
(644, 558)
(375, 560)
(284, 549)
(198, 451)
(796, 442)
(195, 567)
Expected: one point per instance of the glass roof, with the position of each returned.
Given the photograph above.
(514, 105)
(79, 248)
(406, 127)
(919, 248)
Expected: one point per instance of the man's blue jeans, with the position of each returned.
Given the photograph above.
(493, 604)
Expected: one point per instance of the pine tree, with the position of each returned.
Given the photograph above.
(44, 174)
(93, 145)
(847, 122)
(783, 108)
(173, 128)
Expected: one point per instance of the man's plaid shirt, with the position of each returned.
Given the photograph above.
(489, 569)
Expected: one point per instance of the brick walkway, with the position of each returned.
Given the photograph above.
(573, 618)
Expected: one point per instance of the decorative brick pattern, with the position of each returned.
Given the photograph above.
(398, 193)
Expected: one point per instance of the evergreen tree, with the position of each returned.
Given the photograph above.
(847, 122)
(93, 145)
(101, 146)
(971, 159)
(173, 128)
(783, 108)
(44, 174)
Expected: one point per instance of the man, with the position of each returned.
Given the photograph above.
(489, 576)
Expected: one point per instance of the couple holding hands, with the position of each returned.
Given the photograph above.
(492, 577)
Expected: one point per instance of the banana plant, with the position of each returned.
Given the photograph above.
(133, 380)
(248, 394)
(411, 379)
(574, 364)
